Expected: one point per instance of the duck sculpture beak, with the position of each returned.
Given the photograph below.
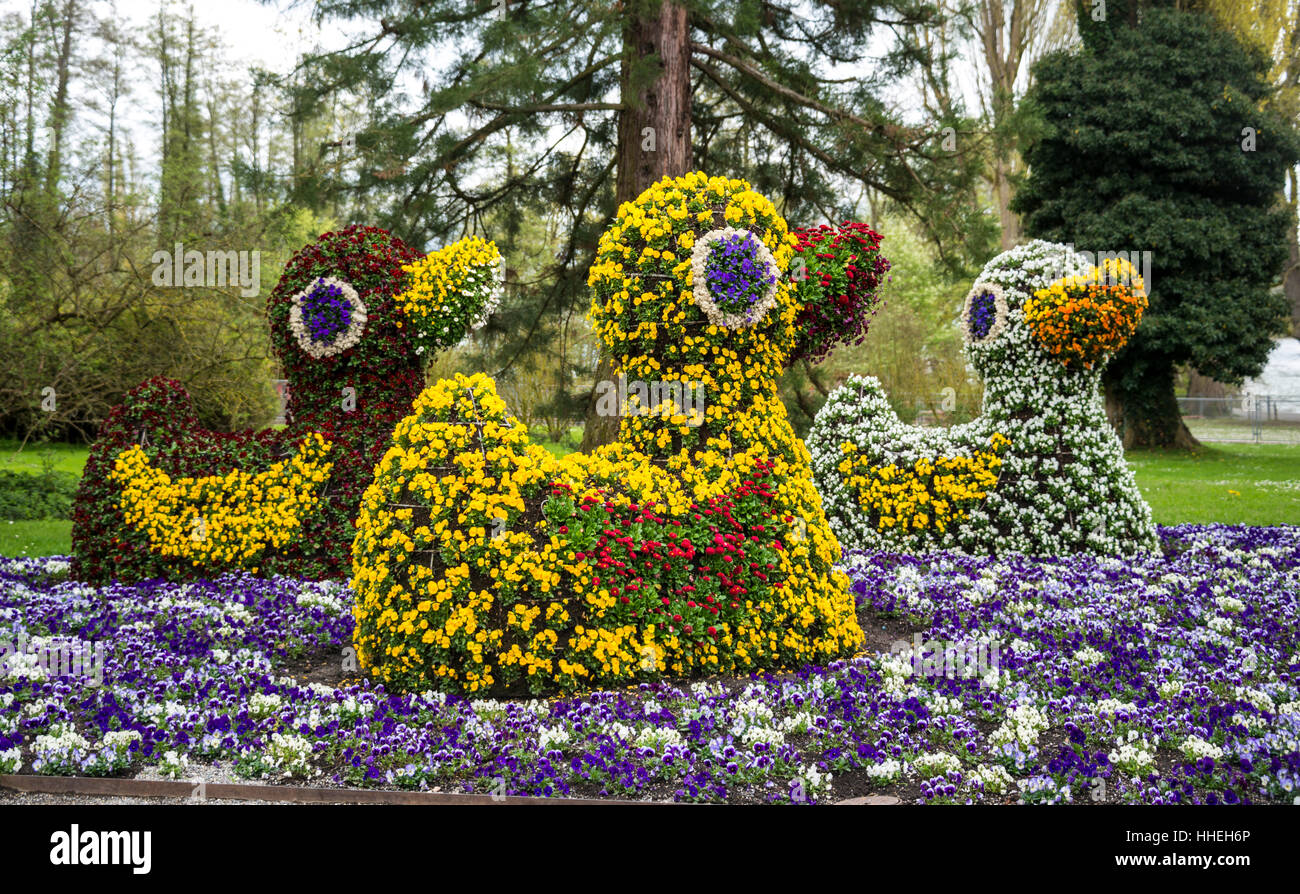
(450, 293)
(1082, 321)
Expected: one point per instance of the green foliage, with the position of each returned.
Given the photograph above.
(518, 129)
(36, 497)
(81, 216)
(913, 345)
(1142, 149)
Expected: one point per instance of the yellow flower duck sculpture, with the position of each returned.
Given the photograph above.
(696, 544)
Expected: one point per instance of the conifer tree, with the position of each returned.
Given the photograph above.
(599, 101)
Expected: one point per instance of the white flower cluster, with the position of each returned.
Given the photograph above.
(263, 704)
(494, 278)
(1022, 726)
(887, 770)
(754, 724)
(344, 340)
(489, 709)
(1063, 484)
(1196, 748)
(1219, 624)
(659, 738)
(896, 670)
(1134, 754)
(1257, 697)
(1088, 656)
(237, 611)
(59, 751)
(290, 754)
(1230, 604)
(11, 760)
(700, 286)
(938, 763)
(352, 708)
(173, 765)
(23, 666)
(993, 779)
(1022, 647)
(550, 738)
(812, 780)
(1112, 706)
(942, 704)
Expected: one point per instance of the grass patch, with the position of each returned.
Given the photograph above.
(36, 538)
(1248, 484)
(37, 458)
(557, 450)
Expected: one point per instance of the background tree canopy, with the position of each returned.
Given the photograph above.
(526, 108)
(529, 122)
(1157, 138)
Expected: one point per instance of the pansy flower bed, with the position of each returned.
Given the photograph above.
(1168, 677)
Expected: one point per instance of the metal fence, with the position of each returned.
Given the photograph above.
(1245, 419)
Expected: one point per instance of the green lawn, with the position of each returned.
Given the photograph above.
(33, 457)
(36, 538)
(1234, 483)
(1253, 484)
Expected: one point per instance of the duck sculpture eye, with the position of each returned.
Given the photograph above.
(985, 313)
(327, 318)
(734, 277)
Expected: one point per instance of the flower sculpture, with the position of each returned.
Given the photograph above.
(694, 545)
(163, 497)
(1040, 471)
(839, 270)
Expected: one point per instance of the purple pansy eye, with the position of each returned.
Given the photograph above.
(736, 274)
(327, 317)
(984, 314)
(734, 277)
(325, 312)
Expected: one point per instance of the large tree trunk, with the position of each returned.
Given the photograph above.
(1143, 408)
(654, 135)
(1009, 220)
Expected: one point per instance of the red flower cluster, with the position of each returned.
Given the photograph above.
(842, 269)
(687, 575)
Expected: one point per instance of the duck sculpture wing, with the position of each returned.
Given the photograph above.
(886, 484)
(1040, 471)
